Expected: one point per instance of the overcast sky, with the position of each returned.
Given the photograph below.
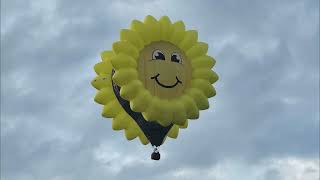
(262, 125)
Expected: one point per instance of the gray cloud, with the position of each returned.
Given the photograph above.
(267, 104)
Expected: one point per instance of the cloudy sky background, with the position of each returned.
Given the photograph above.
(263, 124)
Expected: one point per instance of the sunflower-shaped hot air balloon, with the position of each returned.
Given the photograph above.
(154, 79)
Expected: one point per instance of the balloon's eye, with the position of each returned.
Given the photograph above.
(175, 57)
(158, 55)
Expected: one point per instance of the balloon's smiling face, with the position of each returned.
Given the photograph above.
(164, 69)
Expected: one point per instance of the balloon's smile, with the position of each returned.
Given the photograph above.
(163, 85)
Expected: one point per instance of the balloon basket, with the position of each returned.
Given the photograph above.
(155, 155)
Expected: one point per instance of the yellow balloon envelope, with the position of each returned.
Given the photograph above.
(154, 79)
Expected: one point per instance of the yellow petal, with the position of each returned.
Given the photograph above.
(213, 77)
(141, 101)
(103, 68)
(199, 49)
(126, 48)
(205, 86)
(121, 121)
(205, 73)
(139, 27)
(130, 91)
(173, 132)
(131, 131)
(124, 76)
(200, 99)
(123, 61)
(166, 113)
(189, 40)
(185, 125)
(133, 37)
(143, 139)
(107, 55)
(104, 96)
(190, 106)
(101, 81)
(152, 28)
(152, 113)
(203, 62)
(165, 27)
(111, 109)
(179, 113)
(178, 32)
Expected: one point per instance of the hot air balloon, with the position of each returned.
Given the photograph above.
(155, 79)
